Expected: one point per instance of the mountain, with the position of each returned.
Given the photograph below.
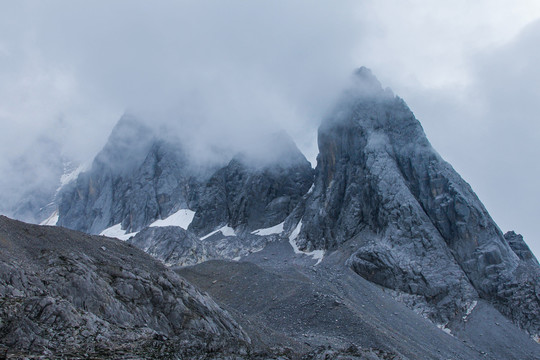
(418, 227)
(66, 294)
(144, 180)
(381, 252)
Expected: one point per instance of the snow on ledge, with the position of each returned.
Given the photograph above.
(276, 229)
(470, 309)
(66, 178)
(316, 254)
(182, 218)
(225, 231)
(116, 231)
(51, 220)
(444, 328)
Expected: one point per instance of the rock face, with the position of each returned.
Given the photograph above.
(67, 294)
(136, 179)
(421, 229)
(251, 193)
(175, 246)
(172, 245)
(521, 249)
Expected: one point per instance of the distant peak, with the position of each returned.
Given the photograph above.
(367, 84)
(129, 120)
(366, 75)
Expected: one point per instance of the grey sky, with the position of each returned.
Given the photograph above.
(224, 69)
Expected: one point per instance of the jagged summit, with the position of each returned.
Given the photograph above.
(363, 85)
(417, 225)
(363, 78)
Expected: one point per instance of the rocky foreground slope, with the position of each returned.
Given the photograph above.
(67, 294)
(280, 298)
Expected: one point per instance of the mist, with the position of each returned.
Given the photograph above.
(225, 74)
(219, 70)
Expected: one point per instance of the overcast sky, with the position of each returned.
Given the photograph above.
(224, 69)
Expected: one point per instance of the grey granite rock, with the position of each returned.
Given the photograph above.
(408, 221)
(141, 176)
(518, 245)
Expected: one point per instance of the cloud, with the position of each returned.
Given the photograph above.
(218, 67)
(507, 80)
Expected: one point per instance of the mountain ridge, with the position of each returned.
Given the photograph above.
(381, 205)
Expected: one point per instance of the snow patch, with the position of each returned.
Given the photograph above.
(311, 189)
(470, 309)
(182, 218)
(70, 176)
(51, 220)
(116, 231)
(315, 254)
(276, 229)
(66, 178)
(445, 329)
(225, 231)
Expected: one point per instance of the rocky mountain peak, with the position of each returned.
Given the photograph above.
(363, 77)
(418, 227)
(137, 178)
